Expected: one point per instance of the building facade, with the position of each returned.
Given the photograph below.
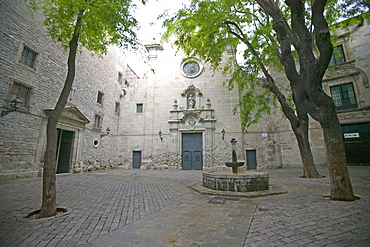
(177, 116)
(33, 69)
(348, 84)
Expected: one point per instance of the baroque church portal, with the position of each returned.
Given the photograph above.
(178, 115)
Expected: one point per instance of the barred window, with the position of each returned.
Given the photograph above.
(22, 91)
(343, 96)
(97, 121)
(28, 57)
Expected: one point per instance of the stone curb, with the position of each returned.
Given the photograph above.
(274, 190)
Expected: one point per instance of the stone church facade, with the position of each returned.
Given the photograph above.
(177, 116)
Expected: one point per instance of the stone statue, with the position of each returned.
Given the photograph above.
(191, 102)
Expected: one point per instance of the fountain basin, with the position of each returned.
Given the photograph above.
(245, 181)
(234, 165)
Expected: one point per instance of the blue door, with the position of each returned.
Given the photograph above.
(136, 159)
(186, 160)
(251, 160)
(192, 152)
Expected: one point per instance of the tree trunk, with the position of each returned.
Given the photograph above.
(309, 80)
(309, 168)
(341, 188)
(48, 207)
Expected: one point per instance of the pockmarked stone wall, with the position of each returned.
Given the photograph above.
(23, 133)
(163, 95)
(150, 115)
(272, 138)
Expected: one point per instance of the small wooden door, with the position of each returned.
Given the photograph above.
(192, 151)
(64, 150)
(136, 159)
(251, 160)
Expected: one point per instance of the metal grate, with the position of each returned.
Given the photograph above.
(217, 200)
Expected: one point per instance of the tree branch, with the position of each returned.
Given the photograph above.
(322, 37)
(271, 86)
(273, 10)
(306, 56)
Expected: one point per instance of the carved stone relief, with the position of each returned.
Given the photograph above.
(346, 70)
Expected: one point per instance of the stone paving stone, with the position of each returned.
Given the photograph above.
(77, 192)
(332, 223)
(115, 208)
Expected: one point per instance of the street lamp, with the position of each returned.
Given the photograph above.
(107, 130)
(14, 105)
(223, 134)
(160, 135)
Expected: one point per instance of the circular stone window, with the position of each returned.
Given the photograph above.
(96, 143)
(191, 68)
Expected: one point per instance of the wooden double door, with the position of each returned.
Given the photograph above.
(192, 151)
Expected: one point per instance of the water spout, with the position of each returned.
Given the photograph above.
(234, 164)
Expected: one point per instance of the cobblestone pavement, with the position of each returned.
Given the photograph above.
(156, 208)
(97, 206)
(310, 221)
(305, 217)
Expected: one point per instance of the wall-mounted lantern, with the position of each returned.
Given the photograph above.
(160, 135)
(107, 133)
(14, 105)
(223, 134)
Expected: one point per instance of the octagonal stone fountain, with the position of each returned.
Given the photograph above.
(235, 180)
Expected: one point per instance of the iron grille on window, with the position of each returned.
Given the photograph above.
(343, 96)
(23, 92)
(97, 122)
(28, 57)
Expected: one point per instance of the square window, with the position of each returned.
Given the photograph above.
(28, 57)
(22, 91)
(338, 56)
(97, 121)
(117, 107)
(343, 96)
(139, 108)
(100, 98)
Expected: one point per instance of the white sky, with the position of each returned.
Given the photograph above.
(147, 14)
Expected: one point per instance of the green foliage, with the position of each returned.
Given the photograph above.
(254, 100)
(104, 22)
(347, 13)
(208, 27)
(355, 8)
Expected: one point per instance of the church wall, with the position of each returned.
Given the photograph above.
(164, 93)
(272, 137)
(23, 133)
(158, 91)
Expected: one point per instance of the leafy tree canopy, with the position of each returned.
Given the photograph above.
(207, 28)
(104, 22)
